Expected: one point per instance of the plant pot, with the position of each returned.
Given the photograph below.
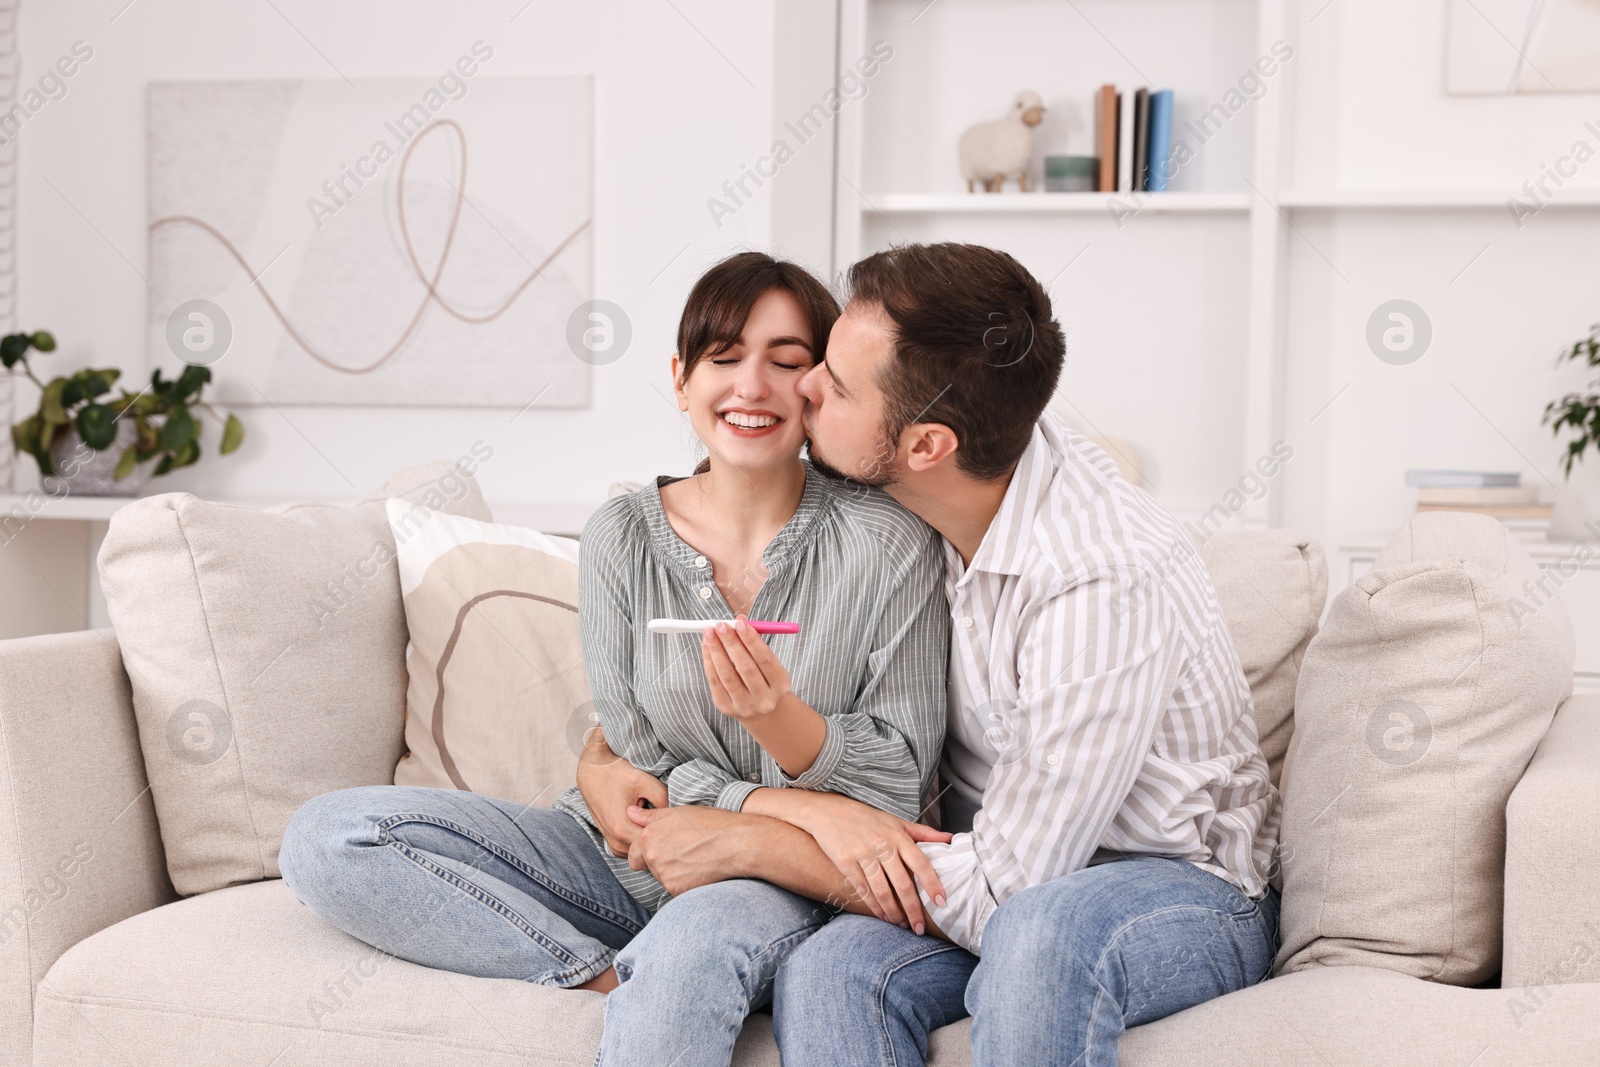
(92, 470)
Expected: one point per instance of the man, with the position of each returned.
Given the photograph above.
(1113, 817)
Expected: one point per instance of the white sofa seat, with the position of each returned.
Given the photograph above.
(236, 976)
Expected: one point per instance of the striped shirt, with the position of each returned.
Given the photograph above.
(864, 579)
(1097, 705)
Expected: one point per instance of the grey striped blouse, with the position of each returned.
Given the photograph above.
(862, 576)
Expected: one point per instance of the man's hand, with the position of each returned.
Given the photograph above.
(610, 784)
(876, 852)
(686, 846)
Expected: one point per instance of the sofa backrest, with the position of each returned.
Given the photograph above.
(1271, 585)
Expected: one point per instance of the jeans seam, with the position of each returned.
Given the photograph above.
(883, 991)
(1111, 944)
(555, 888)
(576, 965)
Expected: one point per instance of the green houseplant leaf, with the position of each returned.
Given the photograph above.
(97, 425)
(51, 405)
(180, 429)
(232, 434)
(125, 465)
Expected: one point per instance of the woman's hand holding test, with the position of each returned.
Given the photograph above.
(749, 684)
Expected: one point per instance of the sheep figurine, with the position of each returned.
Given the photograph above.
(991, 152)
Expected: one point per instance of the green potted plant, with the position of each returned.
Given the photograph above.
(111, 446)
(1578, 411)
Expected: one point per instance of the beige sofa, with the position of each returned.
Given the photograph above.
(109, 966)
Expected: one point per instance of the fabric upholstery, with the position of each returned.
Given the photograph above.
(1419, 705)
(267, 654)
(250, 970)
(497, 701)
(79, 849)
(1272, 585)
(1552, 918)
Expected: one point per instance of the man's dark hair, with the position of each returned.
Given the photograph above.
(976, 347)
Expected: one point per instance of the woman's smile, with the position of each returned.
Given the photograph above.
(749, 422)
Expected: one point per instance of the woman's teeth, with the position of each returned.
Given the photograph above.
(748, 422)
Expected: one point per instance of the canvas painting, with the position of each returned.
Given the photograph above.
(1523, 46)
(394, 242)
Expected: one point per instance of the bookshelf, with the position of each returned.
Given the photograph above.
(1210, 251)
(1054, 203)
(1180, 337)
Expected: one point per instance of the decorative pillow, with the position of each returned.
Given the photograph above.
(266, 648)
(1419, 706)
(497, 701)
(1272, 585)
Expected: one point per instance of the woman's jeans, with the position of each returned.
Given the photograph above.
(486, 887)
(1066, 967)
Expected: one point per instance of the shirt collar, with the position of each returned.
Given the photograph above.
(801, 528)
(1010, 532)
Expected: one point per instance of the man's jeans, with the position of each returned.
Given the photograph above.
(1066, 967)
(481, 886)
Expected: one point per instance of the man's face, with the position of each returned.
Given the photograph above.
(844, 406)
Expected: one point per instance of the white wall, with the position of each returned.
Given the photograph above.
(1371, 113)
(681, 101)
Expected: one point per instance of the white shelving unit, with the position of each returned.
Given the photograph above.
(1215, 254)
(1178, 232)
(1058, 203)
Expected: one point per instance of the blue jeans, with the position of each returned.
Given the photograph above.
(481, 886)
(1067, 966)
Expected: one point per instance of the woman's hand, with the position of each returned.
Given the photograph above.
(610, 784)
(876, 852)
(746, 679)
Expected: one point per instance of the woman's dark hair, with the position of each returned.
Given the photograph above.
(976, 347)
(720, 303)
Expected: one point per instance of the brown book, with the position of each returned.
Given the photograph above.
(1497, 511)
(1106, 112)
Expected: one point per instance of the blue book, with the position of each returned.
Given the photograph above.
(1160, 141)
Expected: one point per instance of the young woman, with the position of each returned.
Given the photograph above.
(853, 704)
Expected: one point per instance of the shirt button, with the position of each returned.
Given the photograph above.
(705, 592)
(699, 561)
(754, 776)
(967, 621)
(1052, 759)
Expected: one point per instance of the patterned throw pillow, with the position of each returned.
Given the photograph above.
(496, 700)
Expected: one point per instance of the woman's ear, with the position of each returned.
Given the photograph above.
(679, 387)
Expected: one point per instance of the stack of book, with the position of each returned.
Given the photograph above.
(1498, 494)
(1133, 138)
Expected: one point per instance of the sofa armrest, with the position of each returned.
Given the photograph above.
(1552, 915)
(79, 847)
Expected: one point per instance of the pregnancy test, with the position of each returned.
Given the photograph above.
(694, 626)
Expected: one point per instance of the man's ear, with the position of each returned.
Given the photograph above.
(928, 445)
(678, 387)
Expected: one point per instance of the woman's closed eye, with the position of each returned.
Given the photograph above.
(730, 361)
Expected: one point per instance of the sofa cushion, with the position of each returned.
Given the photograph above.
(251, 971)
(1420, 704)
(266, 650)
(495, 665)
(1271, 585)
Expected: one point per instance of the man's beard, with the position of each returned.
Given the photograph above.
(883, 474)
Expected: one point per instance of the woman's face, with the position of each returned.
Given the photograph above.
(745, 403)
